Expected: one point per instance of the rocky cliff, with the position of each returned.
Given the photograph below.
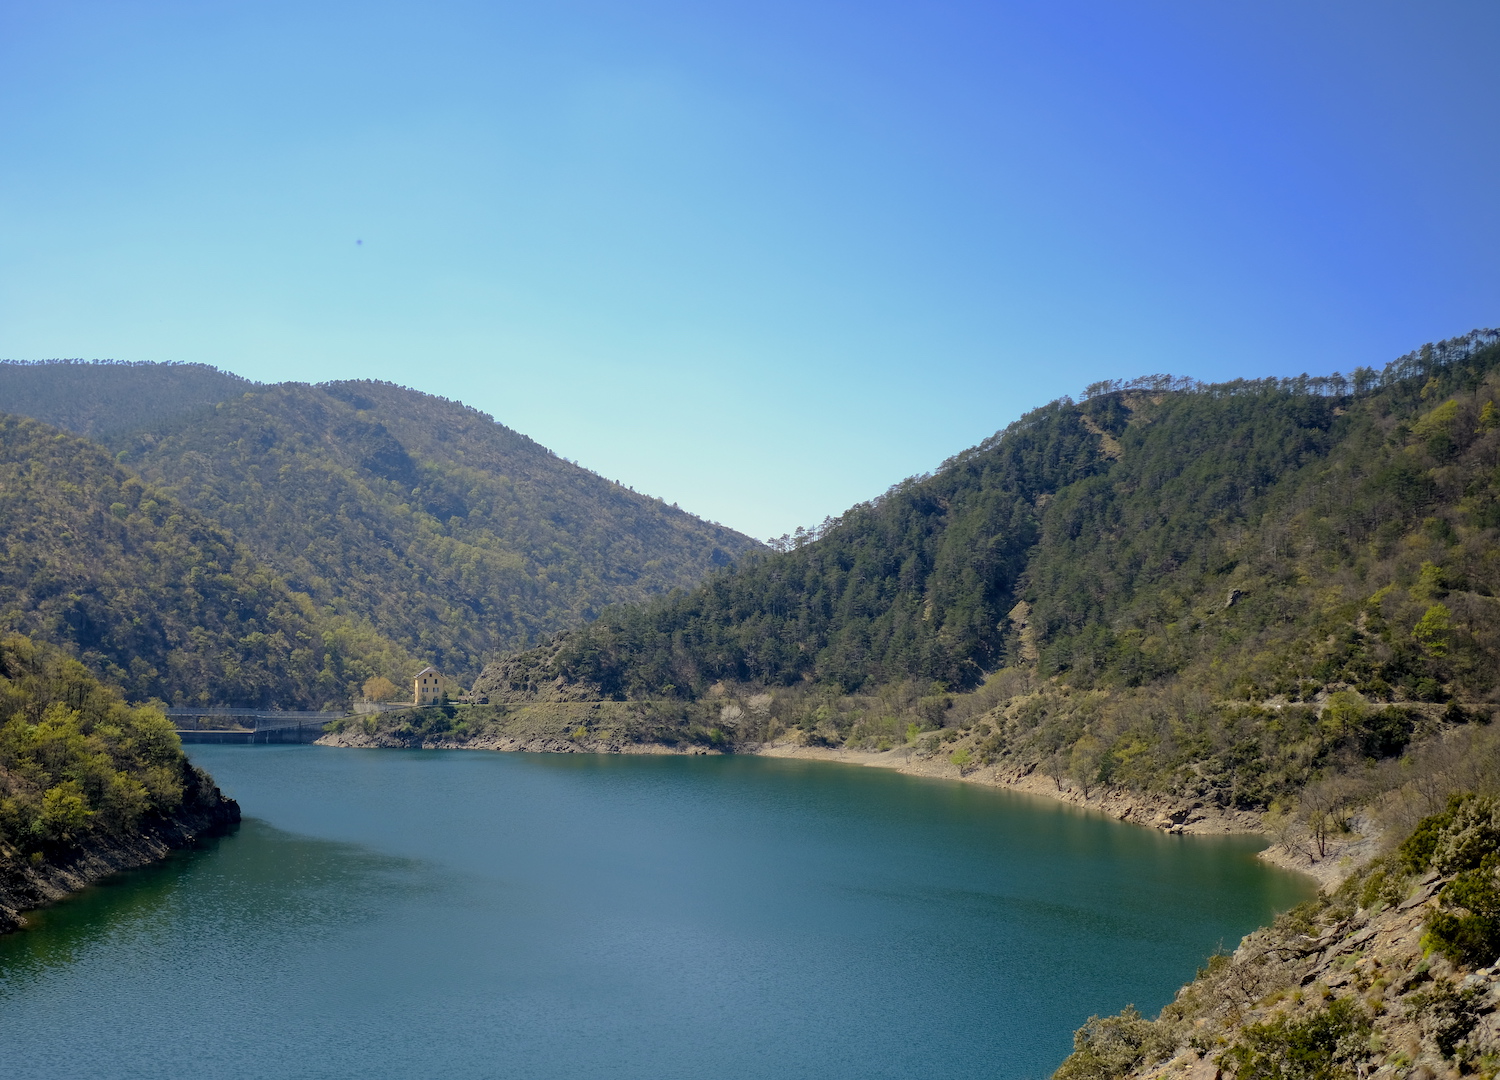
(28, 882)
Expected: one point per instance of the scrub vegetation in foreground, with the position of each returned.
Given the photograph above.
(1392, 976)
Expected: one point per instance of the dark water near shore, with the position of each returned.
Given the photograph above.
(422, 914)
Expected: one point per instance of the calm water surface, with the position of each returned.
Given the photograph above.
(390, 913)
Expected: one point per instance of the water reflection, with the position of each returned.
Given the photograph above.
(258, 888)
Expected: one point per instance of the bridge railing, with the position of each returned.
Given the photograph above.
(252, 719)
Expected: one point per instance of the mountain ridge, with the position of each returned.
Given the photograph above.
(96, 398)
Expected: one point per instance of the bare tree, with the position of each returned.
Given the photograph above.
(1285, 829)
(1056, 766)
(1084, 762)
(1323, 806)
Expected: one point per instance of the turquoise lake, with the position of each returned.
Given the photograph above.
(415, 914)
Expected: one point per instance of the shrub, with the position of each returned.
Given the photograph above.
(1416, 850)
(1111, 1046)
(1316, 1047)
(1470, 935)
(1472, 835)
(1383, 884)
(1447, 1014)
(1385, 733)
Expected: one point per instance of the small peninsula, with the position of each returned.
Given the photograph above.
(89, 785)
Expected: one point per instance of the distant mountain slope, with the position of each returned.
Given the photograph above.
(152, 596)
(451, 534)
(98, 399)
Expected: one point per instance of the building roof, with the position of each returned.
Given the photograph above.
(428, 670)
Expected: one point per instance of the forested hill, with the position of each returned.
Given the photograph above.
(153, 597)
(916, 584)
(446, 532)
(1242, 541)
(102, 397)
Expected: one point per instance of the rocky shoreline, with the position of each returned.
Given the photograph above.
(26, 885)
(1375, 957)
(1392, 977)
(1167, 813)
(354, 739)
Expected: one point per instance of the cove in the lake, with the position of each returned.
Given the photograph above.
(427, 913)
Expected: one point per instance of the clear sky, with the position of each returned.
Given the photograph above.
(760, 259)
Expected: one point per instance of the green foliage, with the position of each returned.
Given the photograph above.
(914, 585)
(1382, 884)
(75, 760)
(1241, 532)
(1318, 1047)
(1109, 1047)
(161, 602)
(1471, 935)
(1432, 629)
(422, 519)
(1470, 836)
(64, 813)
(620, 724)
(153, 597)
(1417, 850)
(1463, 840)
(1384, 733)
(293, 542)
(1438, 423)
(1229, 589)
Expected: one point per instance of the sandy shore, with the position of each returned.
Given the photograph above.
(1158, 812)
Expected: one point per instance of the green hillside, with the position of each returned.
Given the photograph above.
(87, 783)
(152, 596)
(914, 585)
(103, 397)
(75, 760)
(446, 532)
(1163, 584)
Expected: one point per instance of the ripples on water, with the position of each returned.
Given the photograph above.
(415, 914)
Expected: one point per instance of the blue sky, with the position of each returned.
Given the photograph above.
(762, 260)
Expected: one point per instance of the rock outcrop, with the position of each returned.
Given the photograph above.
(31, 882)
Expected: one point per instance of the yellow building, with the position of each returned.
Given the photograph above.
(428, 687)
